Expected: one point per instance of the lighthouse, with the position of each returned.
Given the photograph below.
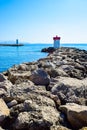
(56, 42)
(17, 41)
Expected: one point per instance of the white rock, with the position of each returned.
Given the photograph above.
(4, 110)
(76, 114)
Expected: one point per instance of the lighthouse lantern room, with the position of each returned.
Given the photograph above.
(56, 42)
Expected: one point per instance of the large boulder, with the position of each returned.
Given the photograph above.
(5, 87)
(30, 66)
(49, 49)
(23, 67)
(2, 77)
(21, 91)
(76, 114)
(40, 77)
(70, 89)
(13, 76)
(4, 110)
(56, 72)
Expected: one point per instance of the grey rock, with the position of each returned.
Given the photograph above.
(12, 103)
(2, 77)
(13, 76)
(4, 110)
(70, 89)
(56, 72)
(40, 77)
(49, 49)
(76, 114)
(29, 105)
(23, 67)
(5, 88)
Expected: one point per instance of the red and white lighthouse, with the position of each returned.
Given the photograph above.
(56, 41)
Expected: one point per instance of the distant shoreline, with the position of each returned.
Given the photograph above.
(11, 44)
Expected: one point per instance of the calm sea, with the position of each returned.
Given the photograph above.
(10, 56)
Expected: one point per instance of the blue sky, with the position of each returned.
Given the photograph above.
(37, 21)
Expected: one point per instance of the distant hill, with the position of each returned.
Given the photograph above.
(12, 42)
(7, 42)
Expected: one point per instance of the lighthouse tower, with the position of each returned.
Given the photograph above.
(17, 41)
(56, 42)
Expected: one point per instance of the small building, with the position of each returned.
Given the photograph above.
(56, 41)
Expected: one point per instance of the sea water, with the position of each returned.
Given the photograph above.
(10, 56)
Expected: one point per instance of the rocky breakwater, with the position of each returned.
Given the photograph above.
(50, 94)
